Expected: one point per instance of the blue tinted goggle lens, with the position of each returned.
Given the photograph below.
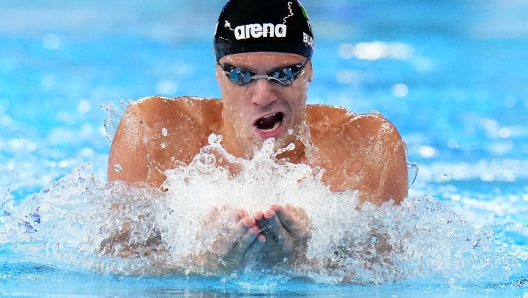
(283, 76)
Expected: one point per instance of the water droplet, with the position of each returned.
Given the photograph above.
(117, 168)
(214, 139)
(291, 131)
(444, 174)
(163, 145)
(145, 139)
(164, 132)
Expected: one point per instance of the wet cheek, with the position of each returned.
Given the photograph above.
(305, 83)
(238, 116)
(298, 110)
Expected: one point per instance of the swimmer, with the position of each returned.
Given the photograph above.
(263, 52)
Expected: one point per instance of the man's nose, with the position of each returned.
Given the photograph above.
(264, 93)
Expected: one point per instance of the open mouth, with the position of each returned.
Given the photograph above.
(270, 123)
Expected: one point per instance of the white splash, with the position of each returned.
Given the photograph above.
(117, 228)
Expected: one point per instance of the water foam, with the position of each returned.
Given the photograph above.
(117, 228)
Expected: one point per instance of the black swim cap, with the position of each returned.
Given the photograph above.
(263, 26)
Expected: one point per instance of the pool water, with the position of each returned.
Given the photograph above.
(450, 75)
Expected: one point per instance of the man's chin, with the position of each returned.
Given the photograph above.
(258, 145)
(255, 142)
(282, 144)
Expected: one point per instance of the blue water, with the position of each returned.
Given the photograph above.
(449, 74)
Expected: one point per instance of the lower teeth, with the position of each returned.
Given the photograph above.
(275, 126)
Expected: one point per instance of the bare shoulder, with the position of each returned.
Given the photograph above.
(154, 117)
(155, 131)
(349, 125)
(157, 109)
(360, 152)
(374, 125)
(325, 115)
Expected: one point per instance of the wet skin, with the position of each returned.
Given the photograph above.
(358, 152)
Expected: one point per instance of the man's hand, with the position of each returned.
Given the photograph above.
(286, 233)
(241, 246)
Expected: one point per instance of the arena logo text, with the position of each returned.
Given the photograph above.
(258, 31)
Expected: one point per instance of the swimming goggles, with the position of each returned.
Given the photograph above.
(282, 76)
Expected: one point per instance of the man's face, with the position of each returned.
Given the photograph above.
(262, 109)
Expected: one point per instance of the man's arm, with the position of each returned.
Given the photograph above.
(393, 164)
(359, 152)
(384, 161)
(128, 154)
(378, 161)
(137, 156)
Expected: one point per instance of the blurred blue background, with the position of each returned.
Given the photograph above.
(451, 75)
